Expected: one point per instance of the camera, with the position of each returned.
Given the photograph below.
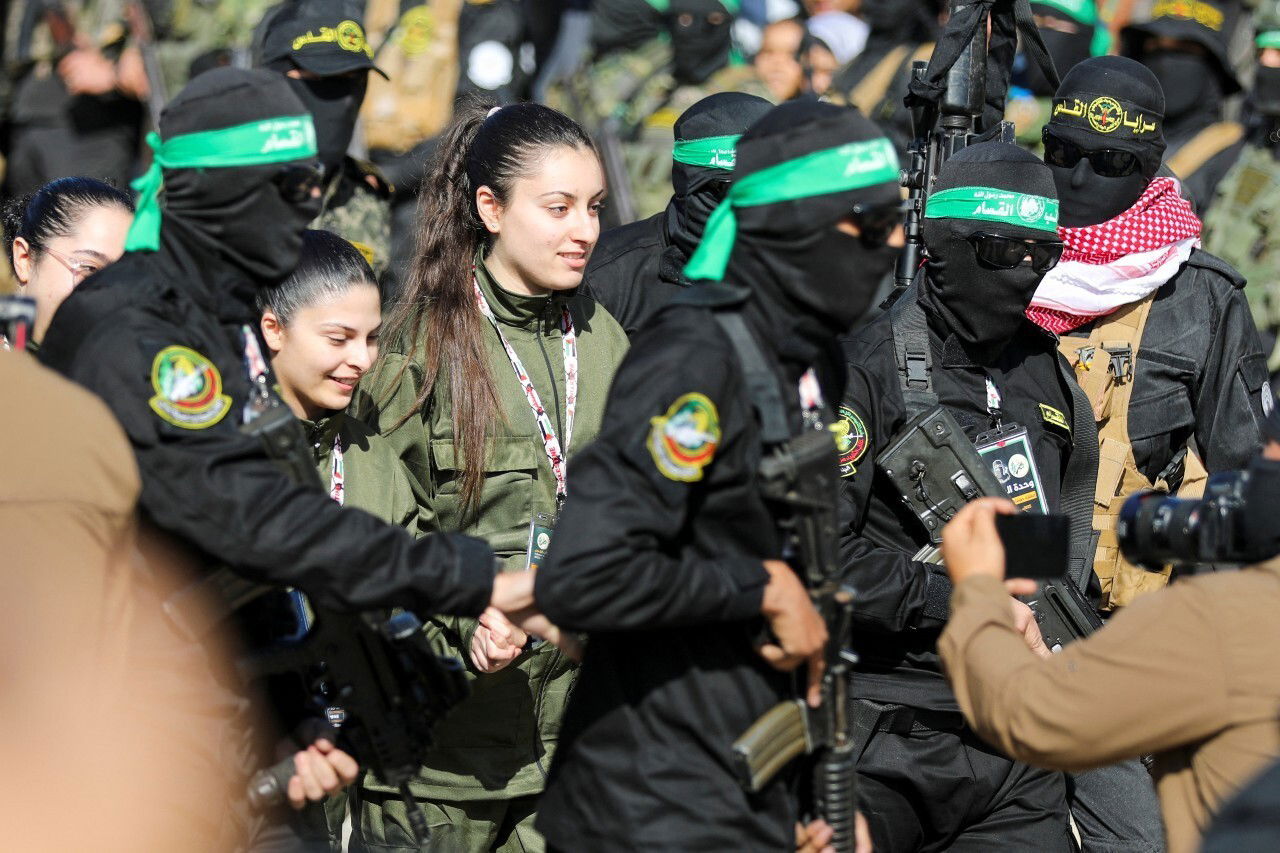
(1155, 529)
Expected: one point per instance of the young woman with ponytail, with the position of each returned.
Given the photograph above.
(497, 372)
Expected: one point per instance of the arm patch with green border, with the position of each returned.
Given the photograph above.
(851, 440)
(684, 440)
(188, 389)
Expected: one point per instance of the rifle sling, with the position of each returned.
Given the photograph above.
(762, 384)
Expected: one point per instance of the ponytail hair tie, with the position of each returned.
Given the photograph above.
(492, 111)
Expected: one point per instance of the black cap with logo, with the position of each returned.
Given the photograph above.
(1208, 23)
(325, 37)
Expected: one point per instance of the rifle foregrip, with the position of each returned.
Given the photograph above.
(771, 742)
(270, 787)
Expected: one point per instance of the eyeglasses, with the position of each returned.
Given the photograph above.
(80, 270)
(877, 224)
(297, 183)
(1005, 253)
(1107, 162)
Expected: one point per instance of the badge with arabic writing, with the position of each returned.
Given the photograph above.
(684, 440)
(851, 440)
(188, 389)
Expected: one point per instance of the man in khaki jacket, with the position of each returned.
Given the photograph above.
(1189, 674)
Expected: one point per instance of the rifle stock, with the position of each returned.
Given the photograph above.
(621, 208)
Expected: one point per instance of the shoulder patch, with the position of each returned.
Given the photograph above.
(188, 389)
(851, 439)
(684, 440)
(1055, 417)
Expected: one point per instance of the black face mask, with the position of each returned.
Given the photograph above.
(982, 307)
(1186, 80)
(1260, 526)
(1087, 198)
(839, 275)
(1067, 50)
(1266, 91)
(700, 38)
(334, 104)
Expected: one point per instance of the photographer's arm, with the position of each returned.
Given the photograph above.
(1155, 668)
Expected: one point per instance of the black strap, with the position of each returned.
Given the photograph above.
(911, 350)
(762, 384)
(1080, 480)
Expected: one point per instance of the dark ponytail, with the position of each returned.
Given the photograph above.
(328, 267)
(437, 314)
(55, 210)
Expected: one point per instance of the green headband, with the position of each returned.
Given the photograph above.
(1081, 11)
(664, 6)
(834, 170)
(272, 140)
(1270, 38)
(993, 205)
(715, 152)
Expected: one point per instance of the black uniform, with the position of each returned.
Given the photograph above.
(1202, 378)
(659, 552)
(639, 267)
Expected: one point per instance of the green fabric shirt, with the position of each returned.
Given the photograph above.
(374, 478)
(491, 746)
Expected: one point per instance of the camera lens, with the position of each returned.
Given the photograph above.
(1154, 529)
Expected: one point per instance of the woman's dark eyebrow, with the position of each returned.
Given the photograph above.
(92, 255)
(568, 195)
(341, 326)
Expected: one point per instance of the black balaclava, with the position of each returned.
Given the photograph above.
(982, 307)
(325, 38)
(1266, 92)
(1067, 49)
(1192, 91)
(701, 36)
(618, 25)
(1260, 526)
(698, 189)
(237, 213)
(1106, 102)
(899, 22)
(809, 280)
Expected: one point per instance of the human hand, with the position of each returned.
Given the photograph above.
(496, 642)
(816, 837)
(131, 74)
(798, 628)
(1024, 619)
(970, 544)
(85, 71)
(319, 770)
(534, 622)
(512, 591)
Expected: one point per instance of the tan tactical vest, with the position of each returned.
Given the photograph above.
(419, 52)
(1104, 365)
(1203, 147)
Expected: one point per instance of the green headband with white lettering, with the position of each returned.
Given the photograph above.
(1270, 38)
(994, 205)
(271, 140)
(714, 152)
(851, 166)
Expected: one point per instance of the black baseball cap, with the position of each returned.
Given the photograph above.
(1208, 23)
(325, 37)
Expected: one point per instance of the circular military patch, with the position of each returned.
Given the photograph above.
(1030, 208)
(188, 389)
(350, 36)
(851, 440)
(683, 441)
(1105, 114)
(416, 30)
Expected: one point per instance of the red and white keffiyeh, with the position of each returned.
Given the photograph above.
(1122, 260)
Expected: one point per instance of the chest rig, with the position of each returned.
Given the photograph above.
(1104, 367)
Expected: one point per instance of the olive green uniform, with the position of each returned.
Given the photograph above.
(206, 32)
(494, 749)
(638, 88)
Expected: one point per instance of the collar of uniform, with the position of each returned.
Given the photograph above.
(321, 431)
(518, 309)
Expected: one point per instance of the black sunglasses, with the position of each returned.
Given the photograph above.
(1005, 253)
(1107, 162)
(876, 224)
(296, 183)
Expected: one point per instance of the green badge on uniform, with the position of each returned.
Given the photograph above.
(1055, 417)
(188, 389)
(684, 440)
(851, 440)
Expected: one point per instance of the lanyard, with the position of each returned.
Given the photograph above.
(994, 400)
(550, 443)
(260, 401)
(811, 401)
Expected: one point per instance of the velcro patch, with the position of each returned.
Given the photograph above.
(684, 440)
(188, 389)
(851, 440)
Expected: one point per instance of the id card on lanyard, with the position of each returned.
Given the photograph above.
(1007, 450)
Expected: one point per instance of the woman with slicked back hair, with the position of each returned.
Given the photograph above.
(496, 374)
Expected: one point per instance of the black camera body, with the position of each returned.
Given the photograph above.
(1155, 529)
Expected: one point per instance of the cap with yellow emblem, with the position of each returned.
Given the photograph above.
(325, 37)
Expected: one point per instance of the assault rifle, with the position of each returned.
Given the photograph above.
(373, 676)
(956, 99)
(144, 36)
(621, 208)
(800, 478)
